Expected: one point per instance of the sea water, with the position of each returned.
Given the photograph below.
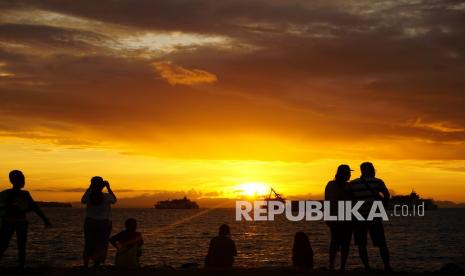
(175, 237)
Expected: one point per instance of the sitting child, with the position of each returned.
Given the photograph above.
(302, 252)
(128, 243)
(222, 249)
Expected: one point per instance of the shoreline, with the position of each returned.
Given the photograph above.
(447, 269)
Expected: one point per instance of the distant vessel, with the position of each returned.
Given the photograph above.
(413, 199)
(277, 197)
(184, 203)
(270, 197)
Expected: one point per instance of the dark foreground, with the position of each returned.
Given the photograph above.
(449, 269)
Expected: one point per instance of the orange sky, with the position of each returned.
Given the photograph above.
(165, 98)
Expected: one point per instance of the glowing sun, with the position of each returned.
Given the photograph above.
(253, 189)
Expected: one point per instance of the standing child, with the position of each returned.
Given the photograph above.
(15, 204)
(128, 243)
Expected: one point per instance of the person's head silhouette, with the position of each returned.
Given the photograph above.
(131, 225)
(17, 179)
(301, 240)
(224, 230)
(343, 173)
(96, 186)
(367, 169)
(96, 183)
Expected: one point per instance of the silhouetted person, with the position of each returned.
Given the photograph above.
(341, 231)
(97, 225)
(128, 243)
(15, 204)
(302, 252)
(222, 249)
(369, 188)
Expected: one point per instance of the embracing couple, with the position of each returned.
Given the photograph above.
(366, 188)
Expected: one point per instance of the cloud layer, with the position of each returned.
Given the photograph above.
(280, 80)
(175, 74)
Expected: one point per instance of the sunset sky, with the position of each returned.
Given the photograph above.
(166, 98)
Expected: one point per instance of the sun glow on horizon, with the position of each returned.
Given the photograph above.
(253, 189)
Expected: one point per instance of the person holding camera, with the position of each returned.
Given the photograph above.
(97, 224)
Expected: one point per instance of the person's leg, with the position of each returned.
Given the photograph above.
(6, 232)
(363, 253)
(86, 261)
(97, 243)
(332, 248)
(21, 236)
(346, 238)
(332, 256)
(344, 255)
(97, 262)
(384, 252)
(360, 236)
(108, 228)
(88, 242)
(102, 236)
(379, 240)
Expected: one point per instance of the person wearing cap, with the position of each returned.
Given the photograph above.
(341, 231)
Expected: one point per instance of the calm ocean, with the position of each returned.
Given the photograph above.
(175, 237)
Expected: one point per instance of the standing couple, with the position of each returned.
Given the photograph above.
(367, 188)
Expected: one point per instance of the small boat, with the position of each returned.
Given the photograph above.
(183, 203)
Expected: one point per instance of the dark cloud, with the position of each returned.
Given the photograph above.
(81, 190)
(60, 190)
(205, 16)
(49, 37)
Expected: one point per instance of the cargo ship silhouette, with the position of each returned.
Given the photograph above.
(183, 203)
(413, 199)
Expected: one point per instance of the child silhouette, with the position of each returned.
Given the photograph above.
(128, 243)
(15, 203)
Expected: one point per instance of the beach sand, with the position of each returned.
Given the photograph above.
(449, 269)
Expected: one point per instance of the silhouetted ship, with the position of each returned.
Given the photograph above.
(273, 196)
(413, 199)
(177, 204)
(53, 204)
